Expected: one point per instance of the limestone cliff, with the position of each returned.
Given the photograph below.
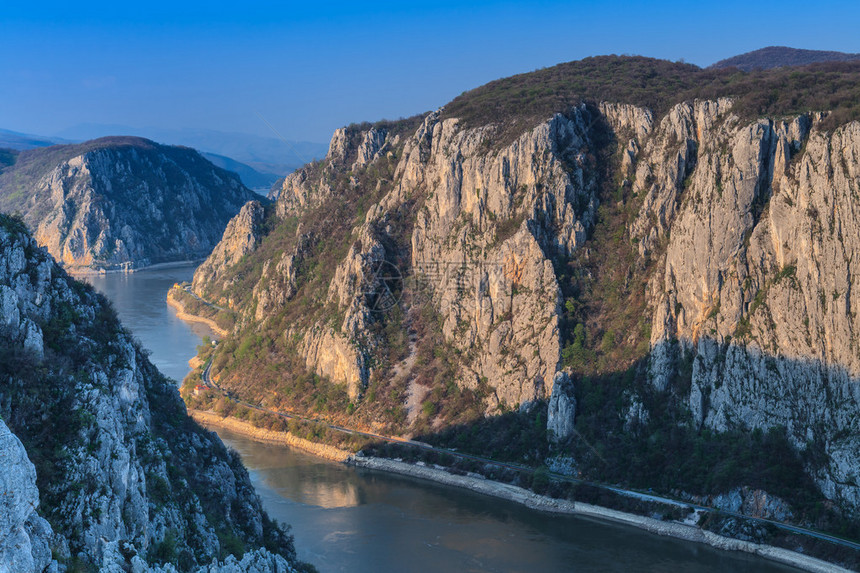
(700, 253)
(121, 202)
(239, 238)
(100, 466)
(756, 280)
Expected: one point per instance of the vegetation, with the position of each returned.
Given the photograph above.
(778, 56)
(521, 102)
(7, 158)
(84, 347)
(665, 452)
(605, 324)
(223, 318)
(21, 173)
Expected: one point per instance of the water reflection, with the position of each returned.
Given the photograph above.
(358, 520)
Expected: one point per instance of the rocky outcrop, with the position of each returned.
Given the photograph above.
(492, 224)
(240, 238)
(119, 203)
(753, 502)
(99, 461)
(482, 248)
(278, 282)
(756, 278)
(25, 537)
(561, 411)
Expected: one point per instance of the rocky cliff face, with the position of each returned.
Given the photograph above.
(481, 248)
(121, 202)
(756, 279)
(99, 464)
(742, 230)
(240, 238)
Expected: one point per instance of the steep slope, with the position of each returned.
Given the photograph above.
(663, 281)
(100, 467)
(121, 202)
(253, 178)
(781, 56)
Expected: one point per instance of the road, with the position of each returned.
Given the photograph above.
(519, 467)
(187, 288)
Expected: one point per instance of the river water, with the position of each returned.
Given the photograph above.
(346, 519)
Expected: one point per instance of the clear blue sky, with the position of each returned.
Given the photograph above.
(311, 67)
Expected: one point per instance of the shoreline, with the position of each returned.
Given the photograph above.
(91, 272)
(251, 431)
(527, 498)
(534, 501)
(182, 315)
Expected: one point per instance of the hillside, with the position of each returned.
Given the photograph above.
(20, 141)
(121, 202)
(249, 176)
(264, 154)
(101, 469)
(781, 56)
(634, 271)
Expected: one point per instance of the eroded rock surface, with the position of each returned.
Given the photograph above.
(98, 459)
(746, 231)
(124, 202)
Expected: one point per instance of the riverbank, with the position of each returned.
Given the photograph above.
(684, 531)
(562, 506)
(183, 315)
(269, 437)
(90, 272)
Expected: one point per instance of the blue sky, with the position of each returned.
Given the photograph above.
(311, 67)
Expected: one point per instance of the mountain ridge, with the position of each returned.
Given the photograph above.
(121, 202)
(267, 154)
(782, 56)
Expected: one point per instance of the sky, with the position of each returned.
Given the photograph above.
(308, 68)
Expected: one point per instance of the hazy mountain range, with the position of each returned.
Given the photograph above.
(265, 154)
(259, 161)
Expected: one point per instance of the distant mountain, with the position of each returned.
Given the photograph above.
(20, 141)
(121, 201)
(781, 56)
(264, 154)
(259, 181)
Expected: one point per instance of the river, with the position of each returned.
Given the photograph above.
(347, 519)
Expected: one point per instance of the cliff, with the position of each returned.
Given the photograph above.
(100, 466)
(656, 251)
(121, 202)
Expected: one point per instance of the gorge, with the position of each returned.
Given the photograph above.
(120, 202)
(617, 282)
(645, 259)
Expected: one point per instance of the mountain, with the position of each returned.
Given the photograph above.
(21, 141)
(265, 154)
(781, 56)
(637, 270)
(252, 178)
(121, 202)
(259, 180)
(101, 468)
